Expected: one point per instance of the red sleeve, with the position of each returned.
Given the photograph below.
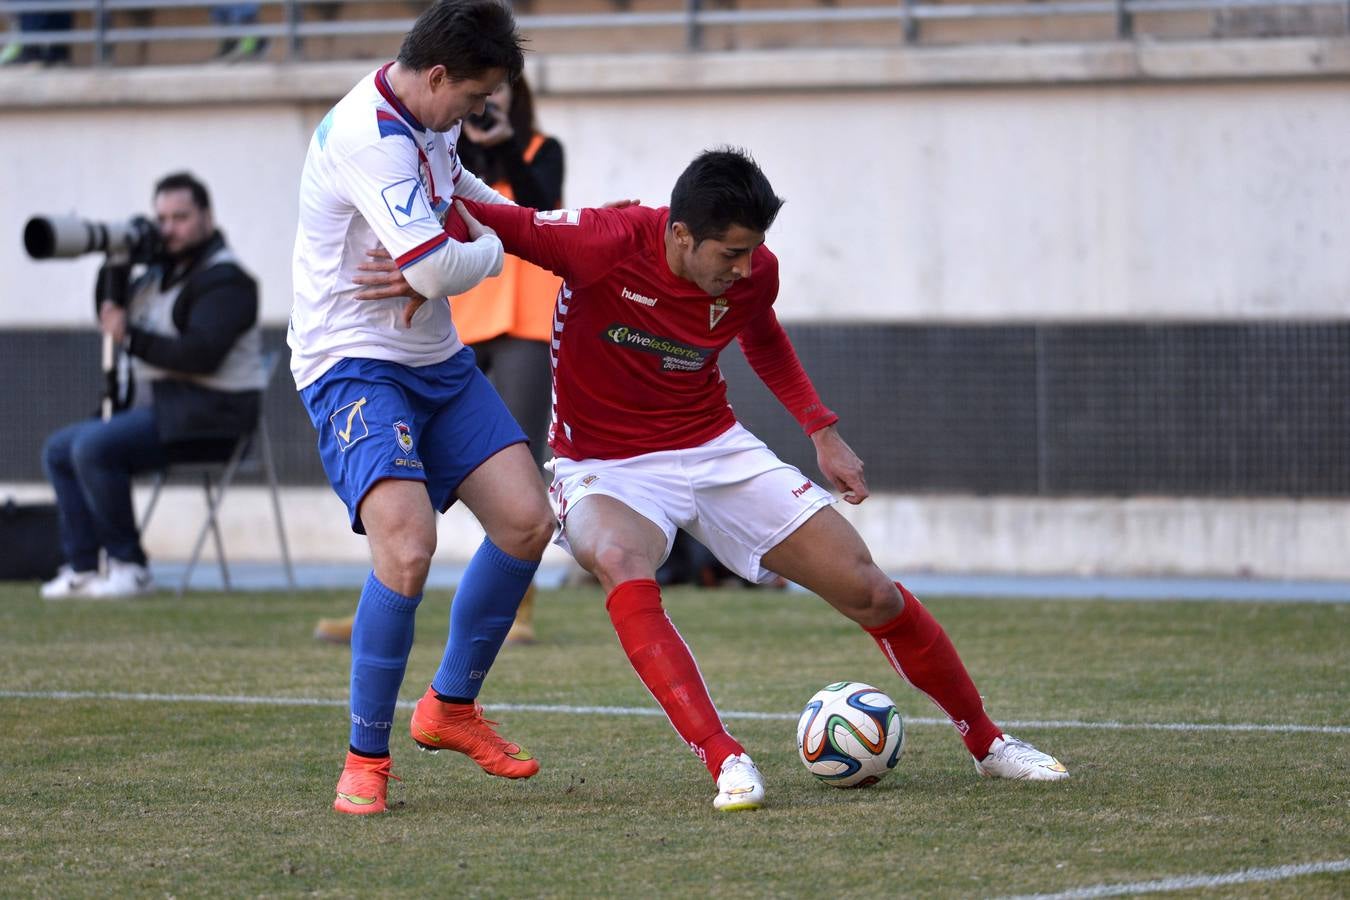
(577, 244)
(773, 358)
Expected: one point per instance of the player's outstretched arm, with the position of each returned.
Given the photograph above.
(578, 244)
(383, 183)
(840, 464)
(383, 279)
(459, 265)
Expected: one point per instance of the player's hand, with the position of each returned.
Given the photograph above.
(840, 464)
(621, 204)
(112, 320)
(384, 280)
(476, 228)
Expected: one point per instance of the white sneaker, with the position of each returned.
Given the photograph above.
(68, 583)
(739, 785)
(124, 579)
(1010, 758)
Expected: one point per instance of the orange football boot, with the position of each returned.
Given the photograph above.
(440, 726)
(335, 631)
(361, 789)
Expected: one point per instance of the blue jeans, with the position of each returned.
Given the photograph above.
(90, 464)
(235, 14)
(45, 21)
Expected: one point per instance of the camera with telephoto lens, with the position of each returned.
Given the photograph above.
(487, 118)
(137, 240)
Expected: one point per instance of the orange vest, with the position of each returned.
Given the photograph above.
(518, 302)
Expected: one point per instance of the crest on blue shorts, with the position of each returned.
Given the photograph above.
(403, 434)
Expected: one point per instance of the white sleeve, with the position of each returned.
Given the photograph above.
(382, 182)
(455, 268)
(470, 187)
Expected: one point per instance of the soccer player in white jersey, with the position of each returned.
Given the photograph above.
(406, 423)
(645, 443)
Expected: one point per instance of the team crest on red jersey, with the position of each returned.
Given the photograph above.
(716, 311)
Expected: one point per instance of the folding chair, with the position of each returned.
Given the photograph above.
(216, 463)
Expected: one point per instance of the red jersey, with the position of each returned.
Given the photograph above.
(635, 347)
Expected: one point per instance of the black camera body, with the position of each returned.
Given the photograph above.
(487, 118)
(137, 240)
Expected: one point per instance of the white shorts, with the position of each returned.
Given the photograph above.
(732, 494)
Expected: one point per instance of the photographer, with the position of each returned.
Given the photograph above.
(190, 330)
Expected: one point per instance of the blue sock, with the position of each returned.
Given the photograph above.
(482, 612)
(382, 636)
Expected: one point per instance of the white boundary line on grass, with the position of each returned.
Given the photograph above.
(1177, 883)
(1189, 882)
(248, 700)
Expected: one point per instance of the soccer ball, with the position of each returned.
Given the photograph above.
(850, 735)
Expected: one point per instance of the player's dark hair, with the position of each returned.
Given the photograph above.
(185, 181)
(722, 188)
(468, 37)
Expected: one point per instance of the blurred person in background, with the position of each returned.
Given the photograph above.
(190, 329)
(16, 52)
(508, 319)
(238, 49)
(691, 563)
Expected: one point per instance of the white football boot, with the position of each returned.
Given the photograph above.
(124, 579)
(68, 583)
(1010, 758)
(739, 785)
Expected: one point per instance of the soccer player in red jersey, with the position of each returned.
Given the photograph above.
(645, 443)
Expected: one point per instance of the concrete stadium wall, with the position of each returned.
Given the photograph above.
(1196, 181)
(1106, 182)
(1136, 537)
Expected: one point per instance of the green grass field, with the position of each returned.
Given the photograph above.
(179, 792)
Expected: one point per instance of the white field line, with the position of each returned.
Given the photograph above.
(1178, 883)
(1192, 882)
(249, 700)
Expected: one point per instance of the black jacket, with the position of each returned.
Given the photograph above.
(216, 306)
(536, 184)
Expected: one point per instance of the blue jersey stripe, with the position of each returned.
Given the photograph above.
(392, 127)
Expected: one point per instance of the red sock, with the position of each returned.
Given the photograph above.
(922, 653)
(665, 665)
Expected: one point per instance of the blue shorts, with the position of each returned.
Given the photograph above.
(379, 419)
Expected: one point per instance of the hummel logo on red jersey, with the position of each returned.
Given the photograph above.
(637, 298)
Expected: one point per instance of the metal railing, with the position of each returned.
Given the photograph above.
(292, 22)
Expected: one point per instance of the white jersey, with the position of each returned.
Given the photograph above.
(374, 176)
